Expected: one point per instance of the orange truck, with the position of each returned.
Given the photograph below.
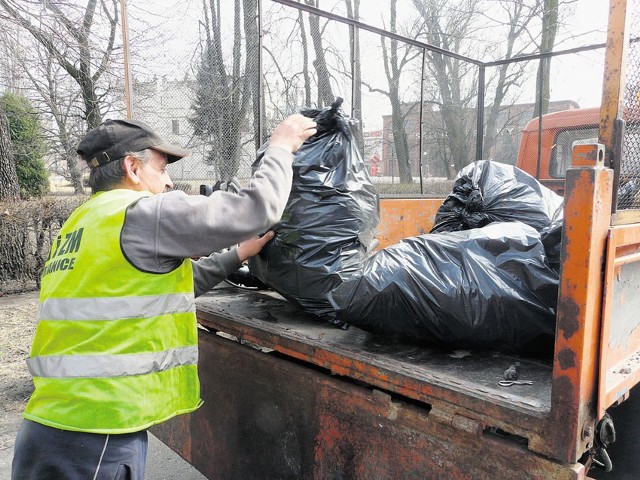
(558, 134)
(288, 396)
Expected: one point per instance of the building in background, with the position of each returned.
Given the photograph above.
(435, 160)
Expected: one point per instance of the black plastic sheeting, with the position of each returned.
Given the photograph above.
(552, 240)
(486, 192)
(329, 223)
(489, 287)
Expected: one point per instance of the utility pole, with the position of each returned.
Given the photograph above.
(128, 96)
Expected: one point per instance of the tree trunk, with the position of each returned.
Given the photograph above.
(400, 141)
(353, 12)
(75, 177)
(393, 72)
(252, 68)
(548, 39)
(325, 94)
(9, 187)
(305, 61)
(222, 96)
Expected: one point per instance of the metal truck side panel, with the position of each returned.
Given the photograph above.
(587, 216)
(267, 417)
(620, 339)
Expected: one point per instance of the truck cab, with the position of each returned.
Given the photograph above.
(547, 143)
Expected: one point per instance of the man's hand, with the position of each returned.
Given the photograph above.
(251, 247)
(292, 132)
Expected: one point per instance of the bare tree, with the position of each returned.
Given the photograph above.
(305, 60)
(54, 95)
(509, 75)
(66, 32)
(449, 29)
(9, 187)
(353, 12)
(395, 60)
(393, 66)
(325, 94)
(12, 49)
(252, 65)
(547, 41)
(223, 91)
(59, 100)
(453, 28)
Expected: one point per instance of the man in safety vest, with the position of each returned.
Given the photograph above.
(115, 349)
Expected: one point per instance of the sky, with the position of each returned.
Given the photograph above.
(585, 70)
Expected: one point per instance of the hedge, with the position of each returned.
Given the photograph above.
(27, 229)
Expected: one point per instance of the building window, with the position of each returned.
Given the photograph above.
(175, 127)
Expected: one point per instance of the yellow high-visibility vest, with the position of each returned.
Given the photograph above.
(116, 348)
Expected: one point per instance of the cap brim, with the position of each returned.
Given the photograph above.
(174, 153)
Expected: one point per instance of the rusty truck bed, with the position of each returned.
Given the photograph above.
(287, 395)
(265, 319)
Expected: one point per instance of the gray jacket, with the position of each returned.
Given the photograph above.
(162, 230)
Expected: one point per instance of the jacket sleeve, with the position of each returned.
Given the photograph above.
(210, 271)
(160, 231)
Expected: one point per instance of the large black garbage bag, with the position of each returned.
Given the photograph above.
(330, 219)
(487, 191)
(483, 288)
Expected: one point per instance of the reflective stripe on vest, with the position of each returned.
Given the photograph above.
(77, 366)
(109, 308)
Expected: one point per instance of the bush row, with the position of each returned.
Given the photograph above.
(27, 229)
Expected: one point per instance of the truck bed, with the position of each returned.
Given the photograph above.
(265, 319)
(287, 395)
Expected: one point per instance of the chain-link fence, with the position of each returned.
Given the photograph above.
(220, 77)
(629, 181)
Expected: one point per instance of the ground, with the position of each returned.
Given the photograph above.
(17, 324)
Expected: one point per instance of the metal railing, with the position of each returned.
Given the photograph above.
(221, 95)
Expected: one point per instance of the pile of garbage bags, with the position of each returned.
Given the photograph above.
(485, 192)
(482, 278)
(486, 276)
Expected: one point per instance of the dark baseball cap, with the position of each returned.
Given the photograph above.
(114, 138)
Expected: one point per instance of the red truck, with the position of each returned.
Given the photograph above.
(289, 396)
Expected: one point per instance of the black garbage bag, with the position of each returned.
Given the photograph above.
(552, 240)
(489, 287)
(329, 223)
(487, 191)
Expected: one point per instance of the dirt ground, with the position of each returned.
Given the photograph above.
(17, 325)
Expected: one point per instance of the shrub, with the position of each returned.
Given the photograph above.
(28, 144)
(27, 229)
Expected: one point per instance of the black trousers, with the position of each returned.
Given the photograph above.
(46, 453)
